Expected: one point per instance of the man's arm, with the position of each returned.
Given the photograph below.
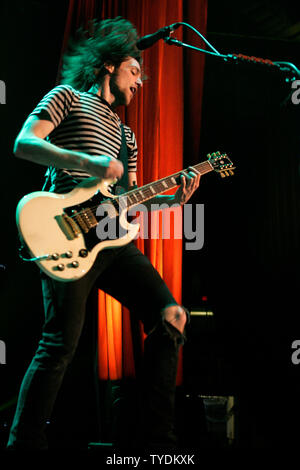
(30, 145)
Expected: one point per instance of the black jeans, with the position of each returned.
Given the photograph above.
(127, 275)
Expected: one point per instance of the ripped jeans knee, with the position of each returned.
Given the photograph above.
(177, 316)
(172, 323)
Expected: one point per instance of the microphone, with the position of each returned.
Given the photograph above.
(150, 39)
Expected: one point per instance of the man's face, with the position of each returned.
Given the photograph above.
(125, 81)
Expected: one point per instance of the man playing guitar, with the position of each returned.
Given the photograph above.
(76, 133)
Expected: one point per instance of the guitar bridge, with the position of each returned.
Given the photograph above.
(68, 226)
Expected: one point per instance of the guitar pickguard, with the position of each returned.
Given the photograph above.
(97, 228)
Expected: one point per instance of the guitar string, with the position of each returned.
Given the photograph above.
(145, 188)
(206, 166)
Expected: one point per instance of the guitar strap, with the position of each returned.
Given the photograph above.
(122, 185)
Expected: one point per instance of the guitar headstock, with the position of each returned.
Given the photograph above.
(221, 163)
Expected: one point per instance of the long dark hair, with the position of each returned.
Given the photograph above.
(110, 41)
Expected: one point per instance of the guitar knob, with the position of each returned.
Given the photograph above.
(69, 254)
(74, 264)
(60, 267)
(83, 253)
(55, 256)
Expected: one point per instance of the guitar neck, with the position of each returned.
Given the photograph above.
(148, 191)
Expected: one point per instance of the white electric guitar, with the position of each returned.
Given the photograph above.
(63, 233)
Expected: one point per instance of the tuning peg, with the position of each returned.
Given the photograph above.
(222, 174)
(231, 172)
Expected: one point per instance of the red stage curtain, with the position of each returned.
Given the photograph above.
(156, 116)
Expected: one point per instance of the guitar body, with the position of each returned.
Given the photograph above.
(66, 252)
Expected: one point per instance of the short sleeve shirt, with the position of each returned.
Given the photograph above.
(84, 122)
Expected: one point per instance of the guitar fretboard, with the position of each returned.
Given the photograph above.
(86, 218)
(144, 193)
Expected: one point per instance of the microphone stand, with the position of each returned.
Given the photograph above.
(290, 70)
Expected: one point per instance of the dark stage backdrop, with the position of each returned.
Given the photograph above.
(248, 266)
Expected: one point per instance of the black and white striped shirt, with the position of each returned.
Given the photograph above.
(84, 122)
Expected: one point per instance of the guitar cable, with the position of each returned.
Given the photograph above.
(22, 247)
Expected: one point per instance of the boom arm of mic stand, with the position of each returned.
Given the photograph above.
(175, 42)
(288, 68)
